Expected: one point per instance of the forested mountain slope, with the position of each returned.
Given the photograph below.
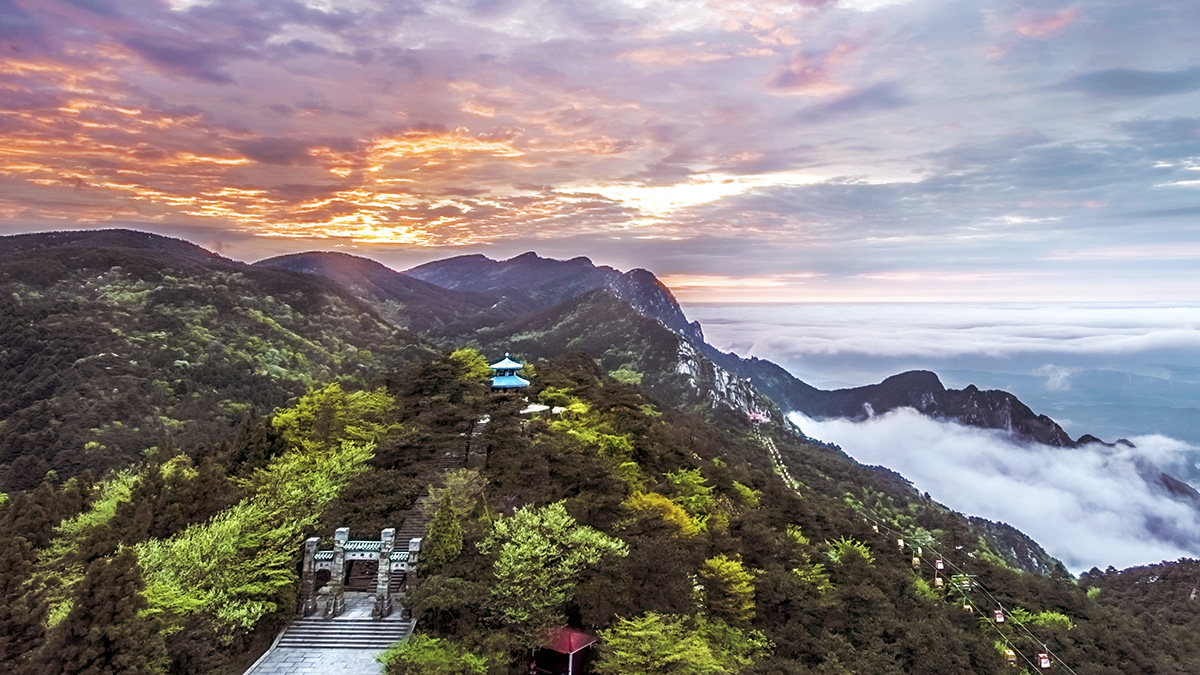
(114, 342)
(666, 531)
(216, 414)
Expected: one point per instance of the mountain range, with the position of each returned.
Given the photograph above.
(173, 418)
(497, 303)
(331, 309)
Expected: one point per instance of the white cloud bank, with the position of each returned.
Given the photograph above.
(1088, 507)
(941, 331)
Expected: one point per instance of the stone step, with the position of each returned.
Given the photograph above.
(347, 627)
(345, 633)
(338, 644)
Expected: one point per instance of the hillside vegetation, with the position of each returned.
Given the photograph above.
(177, 424)
(112, 345)
(667, 533)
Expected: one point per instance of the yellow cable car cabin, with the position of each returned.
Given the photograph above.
(1010, 657)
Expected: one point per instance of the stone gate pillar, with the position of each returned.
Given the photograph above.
(410, 578)
(383, 578)
(337, 593)
(414, 552)
(308, 578)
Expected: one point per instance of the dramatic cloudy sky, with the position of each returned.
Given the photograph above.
(742, 149)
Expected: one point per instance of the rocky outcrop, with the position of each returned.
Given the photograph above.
(716, 385)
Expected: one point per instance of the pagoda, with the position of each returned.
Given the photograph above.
(504, 375)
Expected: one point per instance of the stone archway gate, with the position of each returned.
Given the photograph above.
(390, 565)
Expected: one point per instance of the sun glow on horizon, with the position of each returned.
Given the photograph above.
(663, 200)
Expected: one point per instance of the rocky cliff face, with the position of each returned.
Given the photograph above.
(646, 294)
(716, 385)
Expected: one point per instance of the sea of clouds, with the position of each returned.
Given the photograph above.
(1112, 370)
(1088, 506)
(849, 344)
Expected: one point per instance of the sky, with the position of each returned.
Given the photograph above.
(743, 150)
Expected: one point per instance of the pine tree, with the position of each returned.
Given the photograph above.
(105, 633)
(22, 609)
(728, 589)
(444, 539)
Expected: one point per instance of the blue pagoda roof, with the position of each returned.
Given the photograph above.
(507, 364)
(509, 382)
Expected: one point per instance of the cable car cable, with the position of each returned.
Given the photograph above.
(960, 570)
(1011, 646)
(777, 459)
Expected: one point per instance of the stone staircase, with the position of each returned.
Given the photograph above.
(318, 633)
(417, 520)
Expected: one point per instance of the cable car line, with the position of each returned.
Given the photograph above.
(947, 561)
(1011, 646)
(782, 470)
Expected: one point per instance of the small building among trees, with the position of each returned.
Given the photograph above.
(565, 653)
(504, 375)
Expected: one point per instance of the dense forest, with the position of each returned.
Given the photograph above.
(690, 539)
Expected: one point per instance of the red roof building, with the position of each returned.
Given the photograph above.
(565, 653)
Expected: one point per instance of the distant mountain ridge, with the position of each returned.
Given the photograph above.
(544, 282)
(182, 332)
(538, 283)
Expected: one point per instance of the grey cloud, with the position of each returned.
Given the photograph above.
(16, 23)
(276, 150)
(198, 61)
(102, 7)
(1178, 212)
(1173, 138)
(879, 97)
(1128, 82)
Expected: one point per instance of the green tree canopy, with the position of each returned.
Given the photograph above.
(728, 588)
(658, 644)
(471, 363)
(426, 655)
(324, 417)
(107, 632)
(444, 537)
(692, 491)
(22, 609)
(541, 554)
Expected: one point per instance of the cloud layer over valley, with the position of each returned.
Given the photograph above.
(1088, 507)
(1109, 369)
